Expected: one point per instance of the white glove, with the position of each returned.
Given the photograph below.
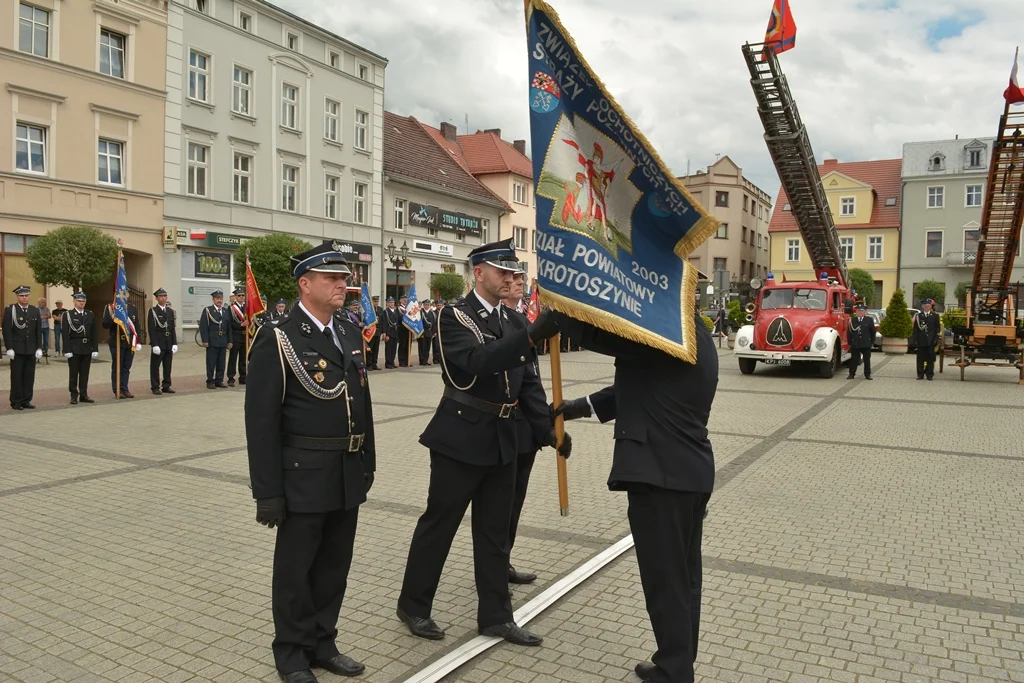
(156, 350)
(138, 347)
(39, 354)
(95, 354)
(10, 353)
(174, 348)
(68, 355)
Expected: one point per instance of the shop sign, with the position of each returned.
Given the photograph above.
(439, 248)
(212, 265)
(425, 216)
(352, 251)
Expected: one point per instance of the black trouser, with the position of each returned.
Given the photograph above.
(164, 359)
(423, 346)
(236, 360)
(667, 527)
(925, 361)
(374, 350)
(311, 562)
(23, 378)
(403, 347)
(855, 358)
(215, 356)
(127, 356)
(390, 347)
(78, 374)
(453, 486)
(436, 344)
(524, 466)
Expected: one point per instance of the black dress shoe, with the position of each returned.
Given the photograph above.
(220, 385)
(168, 390)
(920, 376)
(304, 676)
(850, 376)
(643, 670)
(421, 627)
(341, 665)
(520, 578)
(127, 394)
(74, 401)
(867, 377)
(85, 399)
(930, 378)
(211, 385)
(157, 392)
(511, 632)
(29, 406)
(231, 382)
(17, 407)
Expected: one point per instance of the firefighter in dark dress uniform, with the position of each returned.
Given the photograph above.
(261, 318)
(309, 427)
(278, 313)
(78, 337)
(664, 461)
(215, 333)
(164, 338)
(374, 345)
(429, 318)
(124, 348)
(392, 329)
(860, 333)
(23, 337)
(925, 336)
(434, 344)
(239, 328)
(473, 446)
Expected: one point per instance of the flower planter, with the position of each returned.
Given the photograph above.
(894, 345)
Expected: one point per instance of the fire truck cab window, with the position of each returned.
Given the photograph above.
(808, 299)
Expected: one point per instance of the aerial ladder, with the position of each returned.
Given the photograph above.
(991, 335)
(791, 151)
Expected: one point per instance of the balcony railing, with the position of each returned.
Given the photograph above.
(961, 258)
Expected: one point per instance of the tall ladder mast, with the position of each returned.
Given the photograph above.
(791, 151)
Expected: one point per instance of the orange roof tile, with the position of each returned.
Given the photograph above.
(883, 176)
(485, 153)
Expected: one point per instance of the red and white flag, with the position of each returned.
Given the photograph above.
(1014, 94)
(533, 309)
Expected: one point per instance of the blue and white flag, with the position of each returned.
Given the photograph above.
(413, 319)
(614, 225)
(369, 313)
(121, 318)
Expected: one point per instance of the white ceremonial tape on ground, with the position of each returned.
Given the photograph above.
(435, 671)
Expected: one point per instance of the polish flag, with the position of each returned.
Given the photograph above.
(1014, 94)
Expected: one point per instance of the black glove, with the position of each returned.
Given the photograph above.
(544, 327)
(566, 450)
(573, 409)
(368, 477)
(270, 512)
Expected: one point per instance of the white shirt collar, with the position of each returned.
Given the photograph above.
(320, 326)
(486, 304)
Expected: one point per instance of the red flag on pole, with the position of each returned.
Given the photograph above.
(253, 301)
(1014, 94)
(781, 33)
(533, 310)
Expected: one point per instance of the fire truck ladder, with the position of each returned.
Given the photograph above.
(791, 151)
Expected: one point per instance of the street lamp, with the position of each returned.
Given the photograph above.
(397, 257)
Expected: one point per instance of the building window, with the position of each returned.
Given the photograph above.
(936, 163)
(974, 160)
(792, 251)
(849, 206)
(758, 240)
(970, 245)
(332, 110)
(30, 155)
(362, 119)
(292, 41)
(485, 228)
(112, 49)
(364, 72)
(242, 178)
(519, 235)
(111, 160)
(936, 197)
(289, 187)
(198, 75)
(241, 91)
(746, 203)
(198, 170)
(744, 238)
(874, 249)
(974, 195)
(721, 199)
(334, 59)
(399, 214)
(289, 106)
(933, 244)
(431, 232)
(519, 192)
(846, 248)
(460, 237)
(203, 6)
(245, 22)
(720, 264)
(331, 183)
(359, 203)
(33, 30)
(723, 232)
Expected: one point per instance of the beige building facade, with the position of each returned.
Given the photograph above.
(741, 243)
(81, 131)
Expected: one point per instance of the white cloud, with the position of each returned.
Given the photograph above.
(863, 73)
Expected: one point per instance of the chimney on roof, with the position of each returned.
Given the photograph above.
(449, 131)
(496, 131)
(520, 146)
(831, 162)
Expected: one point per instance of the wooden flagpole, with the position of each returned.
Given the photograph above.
(555, 350)
(117, 355)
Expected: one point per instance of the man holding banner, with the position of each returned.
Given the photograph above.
(614, 230)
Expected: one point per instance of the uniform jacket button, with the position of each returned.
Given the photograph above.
(459, 412)
(296, 464)
(522, 358)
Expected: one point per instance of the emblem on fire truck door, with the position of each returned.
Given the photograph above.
(780, 333)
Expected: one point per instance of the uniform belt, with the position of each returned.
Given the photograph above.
(502, 410)
(352, 443)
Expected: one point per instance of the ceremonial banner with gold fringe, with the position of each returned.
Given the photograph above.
(253, 303)
(614, 225)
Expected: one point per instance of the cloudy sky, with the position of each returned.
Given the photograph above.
(867, 75)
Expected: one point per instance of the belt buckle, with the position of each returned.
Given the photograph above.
(506, 410)
(355, 443)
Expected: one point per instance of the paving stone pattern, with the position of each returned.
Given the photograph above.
(861, 531)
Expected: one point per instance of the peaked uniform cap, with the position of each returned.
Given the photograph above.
(78, 296)
(22, 290)
(217, 294)
(160, 292)
(325, 258)
(500, 254)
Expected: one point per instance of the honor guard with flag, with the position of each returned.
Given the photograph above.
(123, 342)
(164, 338)
(473, 446)
(239, 329)
(378, 331)
(392, 330)
(78, 332)
(309, 427)
(403, 333)
(23, 337)
(255, 309)
(215, 333)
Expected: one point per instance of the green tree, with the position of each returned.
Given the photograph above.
(271, 264)
(961, 291)
(897, 323)
(736, 314)
(74, 256)
(447, 285)
(930, 289)
(863, 283)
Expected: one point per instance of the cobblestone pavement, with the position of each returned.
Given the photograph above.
(860, 531)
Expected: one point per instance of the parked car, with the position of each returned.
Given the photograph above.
(877, 314)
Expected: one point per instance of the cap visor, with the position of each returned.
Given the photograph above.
(511, 266)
